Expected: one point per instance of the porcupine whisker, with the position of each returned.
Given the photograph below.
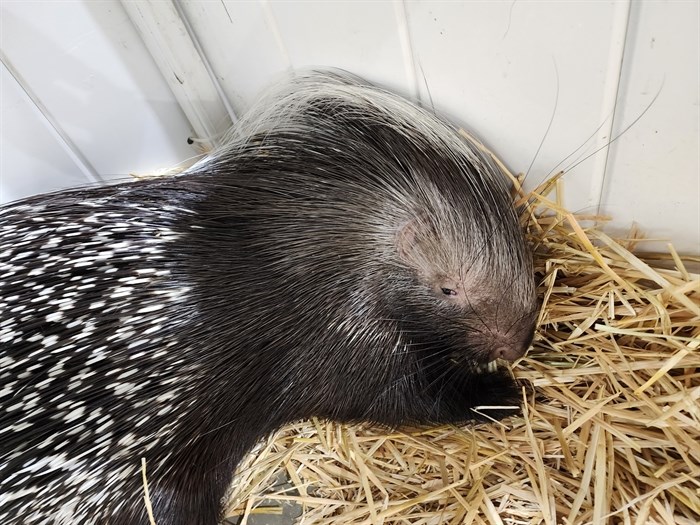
(531, 313)
(549, 125)
(478, 316)
(501, 298)
(616, 137)
(592, 135)
(607, 144)
(427, 88)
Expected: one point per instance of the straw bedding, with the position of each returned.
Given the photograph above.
(610, 431)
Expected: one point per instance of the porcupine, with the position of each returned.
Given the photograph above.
(347, 255)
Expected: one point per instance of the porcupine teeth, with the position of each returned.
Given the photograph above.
(490, 367)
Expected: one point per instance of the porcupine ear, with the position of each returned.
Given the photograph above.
(410, 239)
(406, 239)
(407, 242)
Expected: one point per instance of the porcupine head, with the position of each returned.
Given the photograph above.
(390, 248)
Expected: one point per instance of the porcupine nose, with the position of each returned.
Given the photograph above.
(508, 352)
(513, 344)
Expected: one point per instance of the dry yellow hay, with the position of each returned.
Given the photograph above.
(611, 433)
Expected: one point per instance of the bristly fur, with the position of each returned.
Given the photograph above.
(347, 255)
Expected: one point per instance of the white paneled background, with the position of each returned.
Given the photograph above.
(96, 90)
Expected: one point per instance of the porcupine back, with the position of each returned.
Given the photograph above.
(295, 272)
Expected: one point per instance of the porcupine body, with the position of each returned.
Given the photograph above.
(347, 255)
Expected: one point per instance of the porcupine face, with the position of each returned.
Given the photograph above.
(458, 322)
(472, 272)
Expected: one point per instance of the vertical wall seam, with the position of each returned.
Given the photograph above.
(611, 100)
(271, 22)
(404, 35)
(205, 61)
(51, 124)
(165, 36)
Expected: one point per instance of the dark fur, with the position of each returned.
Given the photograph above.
(296, 291)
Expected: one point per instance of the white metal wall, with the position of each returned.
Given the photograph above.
(81, 98)
(503, 69)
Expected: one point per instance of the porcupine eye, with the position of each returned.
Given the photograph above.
(449, 291)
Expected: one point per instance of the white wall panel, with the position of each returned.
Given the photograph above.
(496, 66)
(168, 38)
(362, 37)
(653, 176)
(85, 62)
(250, 43)
(240, 42)
(31, 160)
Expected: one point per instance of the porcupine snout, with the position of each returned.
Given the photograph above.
(511, 347)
